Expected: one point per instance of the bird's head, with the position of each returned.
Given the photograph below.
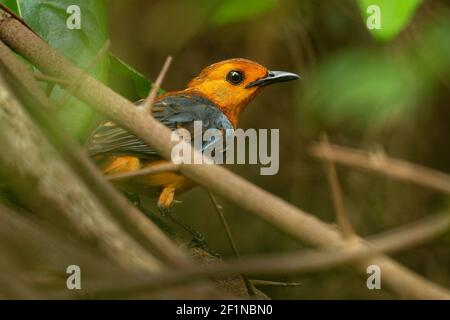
(232, 84)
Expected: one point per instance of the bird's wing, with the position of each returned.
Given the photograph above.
(175, 111)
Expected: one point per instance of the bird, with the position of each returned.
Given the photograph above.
(216, 96)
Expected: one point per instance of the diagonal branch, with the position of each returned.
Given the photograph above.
(61, 194)
(225, 226)
(75, 84)
(161, 167)
(384, 164)
(299, 262)
(129, 217)
(148, 103)
(341, 216)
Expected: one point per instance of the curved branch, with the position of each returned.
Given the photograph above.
(298, 262)
(384, 164)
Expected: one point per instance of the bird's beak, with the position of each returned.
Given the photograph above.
(272, 77)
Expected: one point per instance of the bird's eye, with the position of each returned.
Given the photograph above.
(235, 77)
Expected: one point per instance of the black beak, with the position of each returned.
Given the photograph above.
(272, 77)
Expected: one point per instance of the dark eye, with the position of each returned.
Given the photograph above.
(235, 77)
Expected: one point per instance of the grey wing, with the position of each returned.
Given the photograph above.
(175, 112)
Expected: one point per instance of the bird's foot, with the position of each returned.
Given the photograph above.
(197, 242)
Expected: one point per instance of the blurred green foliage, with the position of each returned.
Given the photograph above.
(395, 15)
(362, 87)
(379, 87)
(237, 10)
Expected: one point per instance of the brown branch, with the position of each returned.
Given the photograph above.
(75, 84)
(15, 16)
(35, 254)
(386, 165)
(148, 103)
(341, 216)
(61, 194)
(305, 261)
(43, 77)
(279, 213)
(267, 283)
(162, 167)
(225, 226)
(131, 219)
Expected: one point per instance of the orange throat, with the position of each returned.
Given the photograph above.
(230, 106)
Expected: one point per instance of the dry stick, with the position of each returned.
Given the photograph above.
(148, 103)
(27, 157)
(267, 283)
(46, 78)
(341, 216)
(296, 262)
(15, 16)
(135, 224)
(161, 167)
(279, 213)
(222, 219)
(75, 84)
(133, 221)
(386, 165)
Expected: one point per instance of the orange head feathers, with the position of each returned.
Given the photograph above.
(233, 83)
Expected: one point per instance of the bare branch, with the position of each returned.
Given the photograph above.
(386, 165)
(50, 79)
(219, 211)
(148, 103)
(61, 194)
(341, 216)
(310, 260)
(131, 219)
(161, 167)
(74, 85)
(267, 283)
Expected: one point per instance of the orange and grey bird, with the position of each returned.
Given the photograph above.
(216, 97)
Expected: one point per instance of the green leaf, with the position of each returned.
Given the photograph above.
(13, 5)
(237, 10)
(431, 48)
(394, 16)
(127, 81)
(361, 88)
(48, 19)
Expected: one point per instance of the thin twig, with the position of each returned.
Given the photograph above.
(341, 216)
(386, 165)
(161, 167)
(63, 198)
(50, 79)
(75, 84)
(15, 16)
(130, 218)
(267, 283)
(219, 210)
(148, 103)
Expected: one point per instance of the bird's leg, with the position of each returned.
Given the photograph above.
(136, 201)
(165, 201)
